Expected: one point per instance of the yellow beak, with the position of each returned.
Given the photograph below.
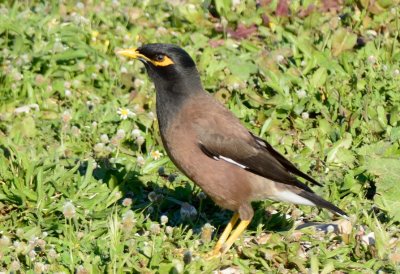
(135, 54)
(132, 53)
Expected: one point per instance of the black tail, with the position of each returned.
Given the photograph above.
(318, 201)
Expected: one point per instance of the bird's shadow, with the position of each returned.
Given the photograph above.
(159, 195)
(163, 196)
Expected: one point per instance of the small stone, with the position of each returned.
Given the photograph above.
(368, 239)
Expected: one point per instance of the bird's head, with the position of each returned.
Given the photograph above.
(166, 64)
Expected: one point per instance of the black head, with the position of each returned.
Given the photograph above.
(174, 75)
(169, 66)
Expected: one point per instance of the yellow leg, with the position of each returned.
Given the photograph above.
(225, 234)
(238, 231)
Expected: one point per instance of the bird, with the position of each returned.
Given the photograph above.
(211, 146)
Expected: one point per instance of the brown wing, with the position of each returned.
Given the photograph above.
(285, 162)
(223, 137)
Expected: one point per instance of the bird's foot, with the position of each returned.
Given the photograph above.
(216, 253)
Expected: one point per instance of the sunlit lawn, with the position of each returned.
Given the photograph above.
(86, 186)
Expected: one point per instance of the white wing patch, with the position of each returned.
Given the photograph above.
(229, 160)
(261, 143)
(291, 197)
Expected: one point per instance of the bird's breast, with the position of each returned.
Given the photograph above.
(227, 184)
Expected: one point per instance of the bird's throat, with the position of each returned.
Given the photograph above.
(168, 105)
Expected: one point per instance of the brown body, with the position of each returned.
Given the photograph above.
(227, 184)
(211, 146)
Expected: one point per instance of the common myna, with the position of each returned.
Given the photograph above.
(211, 146)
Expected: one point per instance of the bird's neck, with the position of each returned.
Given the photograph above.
(171, 97)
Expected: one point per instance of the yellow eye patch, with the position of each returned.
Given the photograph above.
(166, 61)
(133, 53)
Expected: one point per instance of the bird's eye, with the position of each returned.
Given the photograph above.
(159, 57)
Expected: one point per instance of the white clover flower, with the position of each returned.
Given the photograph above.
(136, 133)
(127, 202)
(138, 83)
(115, 3)
(68, 93)
(80, 234)
(202, 195)
(188, 212)
(16, 244)
(139, 140)
(164, 219)
(187, 257)
(371, 59)
(301, 93)
(76, 83)
(41, 243)
(128, 221)
(81, 270)
(140, 160)
(206, 232)
(118, 194)
(17, 76)
(25, 58)
(32, 254)
(52, 253)
(104, 138)
(155, 228)
(81, 66)
(120, 133)
(305, 115)
(5, 241)
(75, 131)
(124, 70)
(39, 267)
(80, 5)
(69, 210)
(279, 58)
(15, 265)
(152, 196)
(152, 116)
(169, 230)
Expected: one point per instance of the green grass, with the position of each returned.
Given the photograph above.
(80, 192)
